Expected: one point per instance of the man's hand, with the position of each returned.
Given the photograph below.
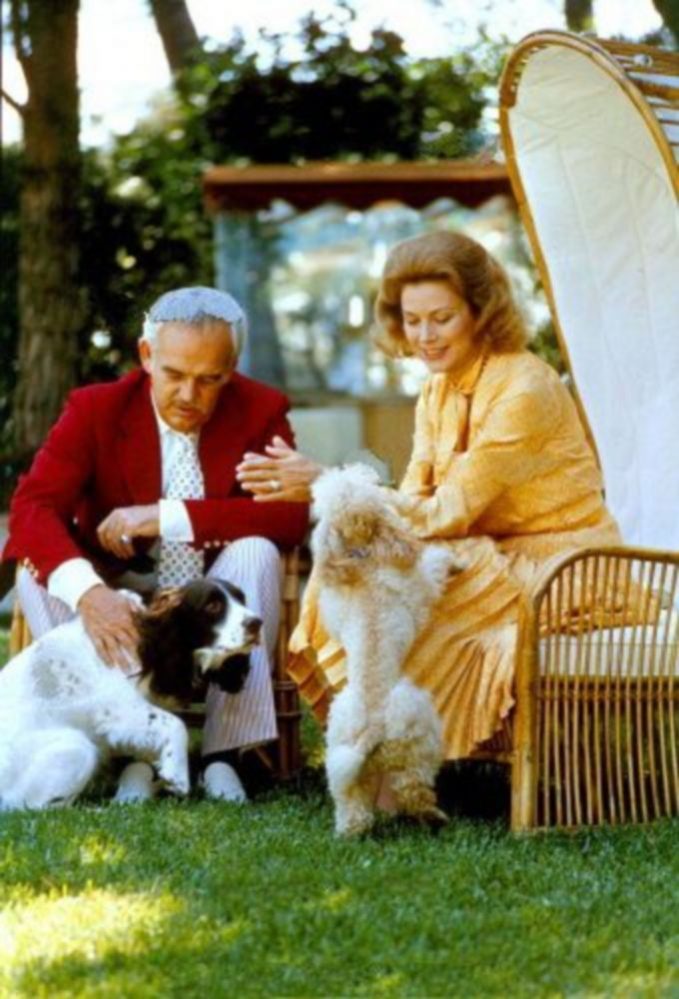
(109, 621)
(127, 522)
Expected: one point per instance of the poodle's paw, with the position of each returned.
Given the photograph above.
(432, 817)
(354, 825)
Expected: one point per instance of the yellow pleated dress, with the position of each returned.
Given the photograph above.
(502, 469)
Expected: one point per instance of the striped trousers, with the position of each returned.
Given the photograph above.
(231, 721)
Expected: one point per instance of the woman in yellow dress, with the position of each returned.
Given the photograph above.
(500, 466)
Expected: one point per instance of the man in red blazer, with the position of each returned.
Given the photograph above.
(135, 486)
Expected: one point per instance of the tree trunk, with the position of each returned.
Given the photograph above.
(177, 32)
(580, 15)
(51, 302)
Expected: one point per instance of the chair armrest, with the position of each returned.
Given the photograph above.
(616, 598)
(555, 566)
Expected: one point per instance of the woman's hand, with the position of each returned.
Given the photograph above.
(280, 474)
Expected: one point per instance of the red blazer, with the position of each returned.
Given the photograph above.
(104, 452)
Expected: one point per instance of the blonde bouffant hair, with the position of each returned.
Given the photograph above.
(471, 271)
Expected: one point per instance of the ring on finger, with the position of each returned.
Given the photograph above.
(125, 539)
(274, 485)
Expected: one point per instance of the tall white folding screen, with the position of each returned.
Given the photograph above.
(592, 140)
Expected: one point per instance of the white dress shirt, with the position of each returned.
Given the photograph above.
(76, 576)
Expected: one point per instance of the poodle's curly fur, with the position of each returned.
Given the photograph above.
(377, 585)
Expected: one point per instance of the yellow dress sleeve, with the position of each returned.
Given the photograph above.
(506, 451)
(419, 475)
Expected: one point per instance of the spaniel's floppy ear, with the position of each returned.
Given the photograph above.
(231, 675)
(164, 600)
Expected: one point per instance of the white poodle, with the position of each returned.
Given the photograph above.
(377, 585)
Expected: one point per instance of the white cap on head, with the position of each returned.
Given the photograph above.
(193, 305)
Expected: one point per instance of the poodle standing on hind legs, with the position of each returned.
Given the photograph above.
(377, 585)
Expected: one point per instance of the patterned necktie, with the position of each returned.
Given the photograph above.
(180, 562)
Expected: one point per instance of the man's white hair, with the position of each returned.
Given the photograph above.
(196, 305)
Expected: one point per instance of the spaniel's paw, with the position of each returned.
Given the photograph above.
(136, 784)
(174, 777)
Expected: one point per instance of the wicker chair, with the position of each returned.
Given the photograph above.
(591, 135)
(285, 759)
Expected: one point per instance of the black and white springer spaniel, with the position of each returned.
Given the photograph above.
(63, 711)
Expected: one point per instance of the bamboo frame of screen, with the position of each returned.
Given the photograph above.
(285, 757)
(594, 736)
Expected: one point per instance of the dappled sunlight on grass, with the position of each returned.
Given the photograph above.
(202, 899)
(652, 984)
(386, 985)
(206, 932)
(96, 850)
(335, 900)
(100, 942)
(56, 926)
(330, 901)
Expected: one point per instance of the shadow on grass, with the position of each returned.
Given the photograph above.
(475, 791)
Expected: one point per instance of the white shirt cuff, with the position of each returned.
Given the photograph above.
(175, 523)
(71, 580)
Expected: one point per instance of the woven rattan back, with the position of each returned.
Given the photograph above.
(591, 135)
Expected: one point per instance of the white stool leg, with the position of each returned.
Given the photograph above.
(42, 612)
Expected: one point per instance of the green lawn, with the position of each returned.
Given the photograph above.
(197, 899)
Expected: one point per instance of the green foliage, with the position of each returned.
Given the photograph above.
(144, 227)
(669, 11)
(144, 231)
(334, 101)
(545, 344)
